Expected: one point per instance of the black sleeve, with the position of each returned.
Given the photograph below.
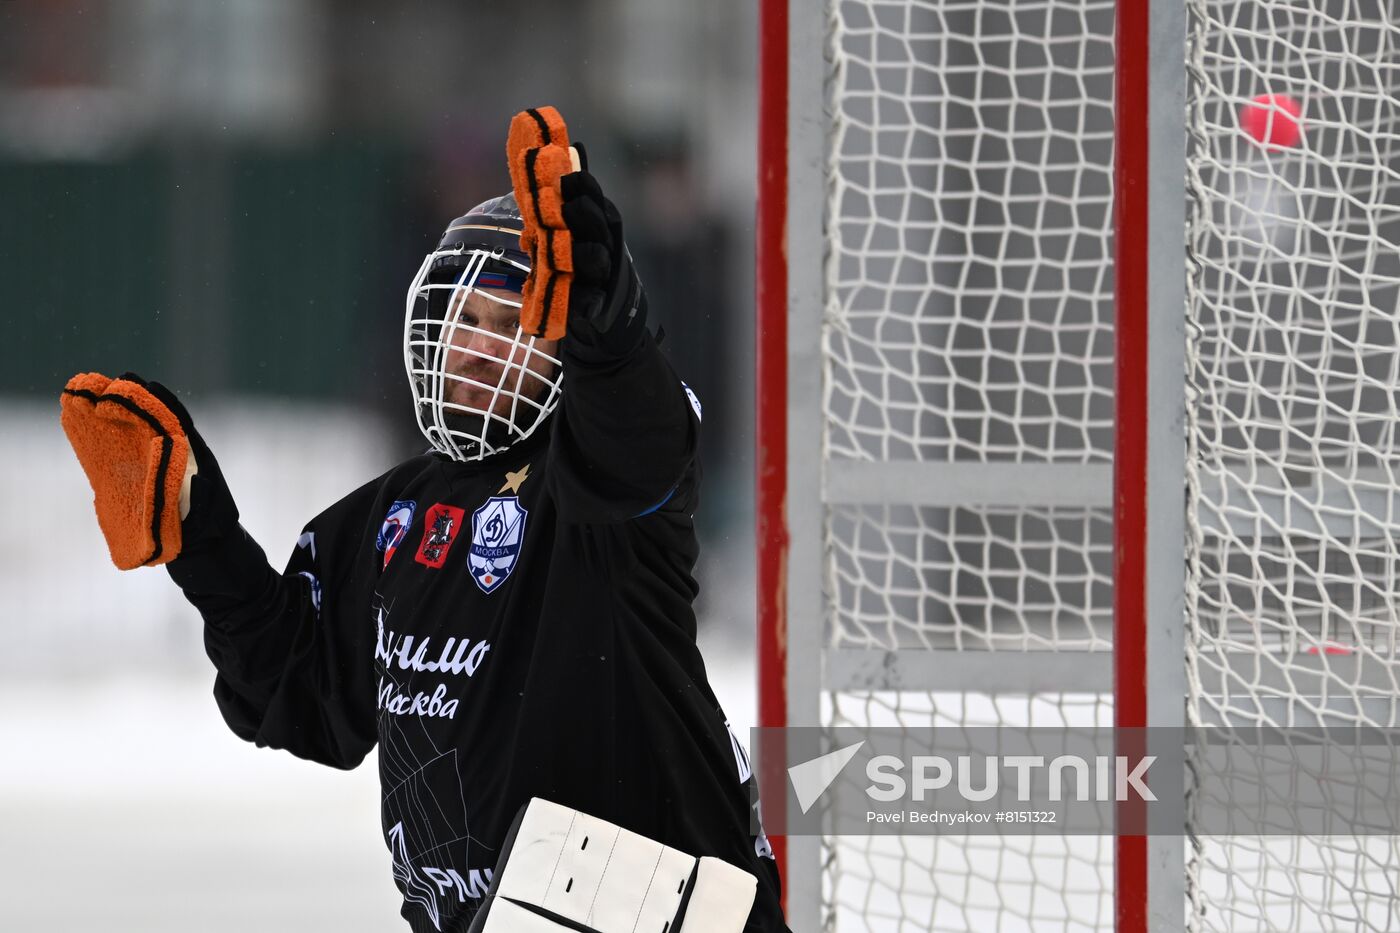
(627, 431)
(294, 650)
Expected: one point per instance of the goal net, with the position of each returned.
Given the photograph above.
(1293, 367)
(947, 356)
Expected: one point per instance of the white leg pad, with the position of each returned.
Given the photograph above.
(720, 899)
(610, 880)
(509, 917)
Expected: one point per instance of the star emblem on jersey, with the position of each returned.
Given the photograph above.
(440, 527)
(498, 527)
(513, 480)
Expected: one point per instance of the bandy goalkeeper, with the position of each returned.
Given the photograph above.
(507, 616)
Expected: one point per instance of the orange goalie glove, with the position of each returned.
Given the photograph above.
(135, 451)
(539, 155)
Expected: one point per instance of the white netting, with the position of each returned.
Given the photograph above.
(969, 302)
(949, 883)
(970, 579)
(968, 320)
(1293, 367)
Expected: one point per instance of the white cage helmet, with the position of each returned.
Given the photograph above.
(479, 384)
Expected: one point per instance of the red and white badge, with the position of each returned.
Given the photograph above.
(440, 526)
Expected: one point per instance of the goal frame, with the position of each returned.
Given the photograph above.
(1148, 669)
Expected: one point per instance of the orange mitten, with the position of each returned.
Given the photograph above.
(537, 150)
(134, 451)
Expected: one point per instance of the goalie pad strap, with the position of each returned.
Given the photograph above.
(580, 873)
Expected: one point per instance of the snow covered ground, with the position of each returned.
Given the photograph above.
(125, 803)
(128, 806)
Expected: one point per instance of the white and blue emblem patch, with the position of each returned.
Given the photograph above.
(498, 527)
(315, 590)
(395, 526)
(694, 400)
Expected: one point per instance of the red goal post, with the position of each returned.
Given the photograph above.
(1076, 406)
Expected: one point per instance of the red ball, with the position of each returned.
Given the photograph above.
(1273, 119)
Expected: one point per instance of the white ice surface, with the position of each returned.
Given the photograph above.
(125, 803)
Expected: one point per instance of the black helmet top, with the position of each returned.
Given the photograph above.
(493, 224)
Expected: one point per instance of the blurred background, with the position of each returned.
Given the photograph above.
(230, 197)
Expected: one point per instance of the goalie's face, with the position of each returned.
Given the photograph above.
(489, 365)
(479, 384)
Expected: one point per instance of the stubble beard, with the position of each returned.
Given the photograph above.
(495, 431)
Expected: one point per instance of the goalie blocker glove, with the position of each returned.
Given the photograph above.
(157, 488)
(607, 306)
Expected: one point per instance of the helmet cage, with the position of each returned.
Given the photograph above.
(439, 343)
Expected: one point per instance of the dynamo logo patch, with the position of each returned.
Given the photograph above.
(498, 527)
(395, 526)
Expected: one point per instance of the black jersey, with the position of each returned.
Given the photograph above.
(515, 627)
